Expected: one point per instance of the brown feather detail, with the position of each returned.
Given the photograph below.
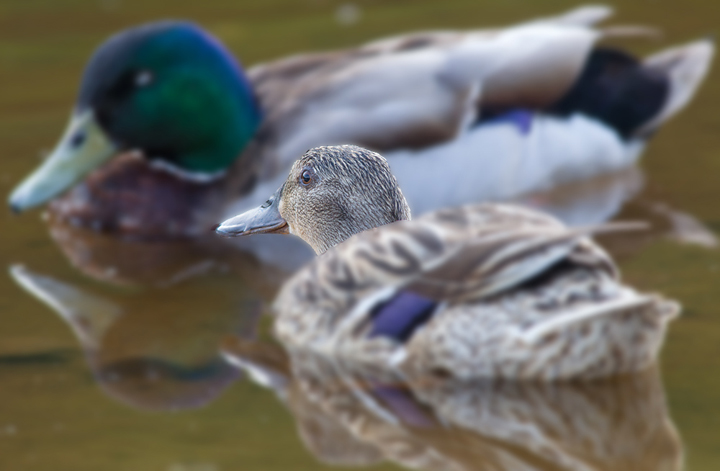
(129, 197)
(272, 81)
(539, 80)
(444, 270)
(270, 78)
(465, 269)
(519, 295)
(287, 86)
(422, 135)
(510, 306)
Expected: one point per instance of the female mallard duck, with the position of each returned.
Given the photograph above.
(167, 128)
(485, 290)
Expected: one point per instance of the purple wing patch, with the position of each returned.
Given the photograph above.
(521, 119)
(400, 316)
(403, 405)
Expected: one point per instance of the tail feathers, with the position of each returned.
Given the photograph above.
(631, 31)
(635, 97)
(628, 300)
(685, 68)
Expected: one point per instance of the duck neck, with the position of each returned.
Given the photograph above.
(326, 236)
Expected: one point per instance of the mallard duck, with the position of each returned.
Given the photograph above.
(489, 290)
(167, 128)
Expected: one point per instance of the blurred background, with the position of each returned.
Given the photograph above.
(56, 410)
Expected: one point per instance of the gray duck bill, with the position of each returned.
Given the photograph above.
(264, 219)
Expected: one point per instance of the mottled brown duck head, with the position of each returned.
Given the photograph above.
(330, 194)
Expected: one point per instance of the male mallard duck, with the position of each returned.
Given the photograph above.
(164, 111)
(476, 291)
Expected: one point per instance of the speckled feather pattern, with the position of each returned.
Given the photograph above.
(370, 196)
(476, 261)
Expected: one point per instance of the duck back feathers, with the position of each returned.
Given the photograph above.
(436, 105)
(436, 85)
(485, 290)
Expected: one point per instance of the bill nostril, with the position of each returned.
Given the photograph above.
(78, 140)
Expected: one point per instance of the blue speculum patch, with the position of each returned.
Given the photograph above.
(520, 118)
(401, 315)
(403, 405)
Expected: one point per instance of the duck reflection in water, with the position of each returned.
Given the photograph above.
(153, 354)
(619, 424)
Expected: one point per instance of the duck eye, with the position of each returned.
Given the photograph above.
(306, 177)
(143, 78)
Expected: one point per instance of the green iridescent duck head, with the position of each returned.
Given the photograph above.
(169, 90)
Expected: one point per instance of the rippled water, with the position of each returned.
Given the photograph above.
(130, 378)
